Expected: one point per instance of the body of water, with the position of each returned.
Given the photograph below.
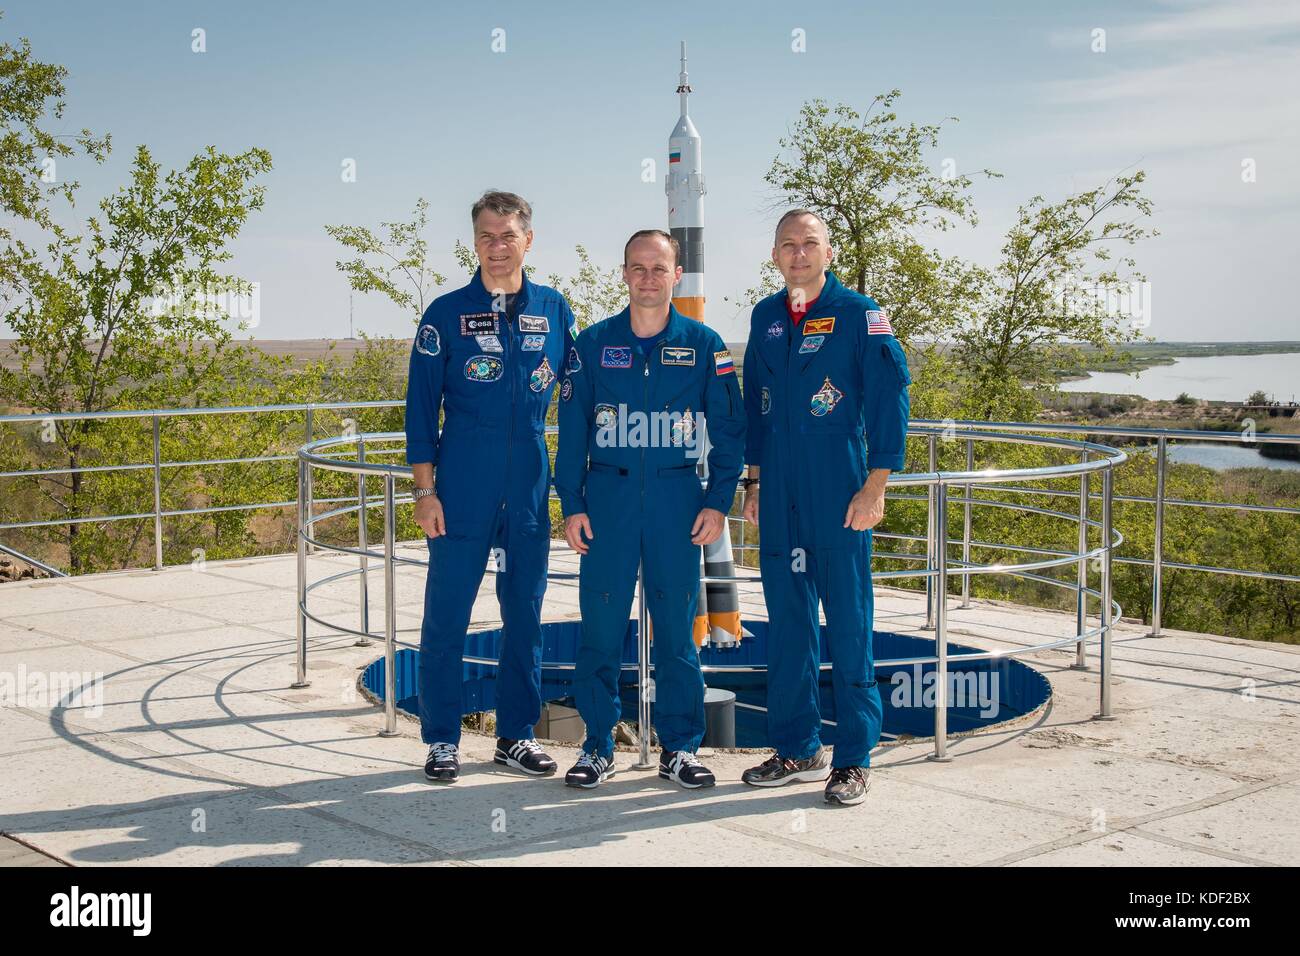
(1221, 456)
(1217, 378)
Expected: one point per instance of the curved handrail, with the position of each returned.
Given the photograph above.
(1094, 459)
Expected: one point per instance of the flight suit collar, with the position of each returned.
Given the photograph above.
(480, 293)
(674, 331)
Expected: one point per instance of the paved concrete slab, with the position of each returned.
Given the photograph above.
(195, 749)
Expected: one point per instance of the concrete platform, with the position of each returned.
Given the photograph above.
(194, 750)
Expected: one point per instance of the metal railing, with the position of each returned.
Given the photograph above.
(156, 465)
(968, 432)
(939, 567)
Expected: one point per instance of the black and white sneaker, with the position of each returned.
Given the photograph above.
(443, 763)
(681, 767)
(848, 785)
(777, 771)
(525, 755)
(591, 770)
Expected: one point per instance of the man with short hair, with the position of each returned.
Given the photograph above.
(633, 409)
(823, 371)
(487, 356)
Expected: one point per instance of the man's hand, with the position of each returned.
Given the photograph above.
(575, 526)
(868, 506)
(708, 526)
(750, 511)
(429, 516)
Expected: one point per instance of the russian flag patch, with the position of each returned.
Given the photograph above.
(722, 362)
(878, 323)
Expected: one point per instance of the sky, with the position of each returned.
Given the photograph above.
(1194, 92)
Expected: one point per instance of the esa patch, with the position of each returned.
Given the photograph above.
(616, 356)
(427, 341)
(534, 323)
(825, 399)
(542, 376)
(480, 323)
(533, 343)
(484, 368)
(878, 323)
(811, 344)
(676, 355)
(722, 362)
(819, 326)
(489, 343)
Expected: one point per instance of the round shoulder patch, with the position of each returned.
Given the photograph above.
(427, 341)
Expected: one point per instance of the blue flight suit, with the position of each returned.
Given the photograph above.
(634, 476)
(812, 393)
(492, 373)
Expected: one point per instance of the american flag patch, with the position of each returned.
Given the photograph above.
(722, 362)
(878, 323)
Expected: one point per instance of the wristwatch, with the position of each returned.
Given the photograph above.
(419, 493)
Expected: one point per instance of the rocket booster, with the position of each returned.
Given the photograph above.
(717, 616)
(685, 188)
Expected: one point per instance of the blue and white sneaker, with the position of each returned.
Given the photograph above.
(591, 770)
(443, 763)
(525, 755)
(681, 767)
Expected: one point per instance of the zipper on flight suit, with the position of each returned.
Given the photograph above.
(506, 344)
(645, 405)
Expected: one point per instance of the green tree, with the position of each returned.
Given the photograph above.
(395, 263)
(868, 177)
(1040, 303)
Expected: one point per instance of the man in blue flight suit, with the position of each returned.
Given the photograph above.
(637, 397)
(487, 356)
(822, 370)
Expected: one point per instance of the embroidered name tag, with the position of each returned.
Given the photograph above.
(489, 343)
(534, 323)
(673, 355)
(819, 326)
(480, 323)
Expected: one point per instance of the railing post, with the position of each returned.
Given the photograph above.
(1107, 623)
(301, 650)
(310, 432)
(1081, 597)
(390, 612)
(157, 494)
(643, 671)
(929, 535)
(363, 540)
(941, 627)
(965, 531)
(1157, 558)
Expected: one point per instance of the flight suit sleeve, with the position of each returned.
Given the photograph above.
(753, 405)
(725, 416)
(424, 384)
(886, 404)
(577, 396)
